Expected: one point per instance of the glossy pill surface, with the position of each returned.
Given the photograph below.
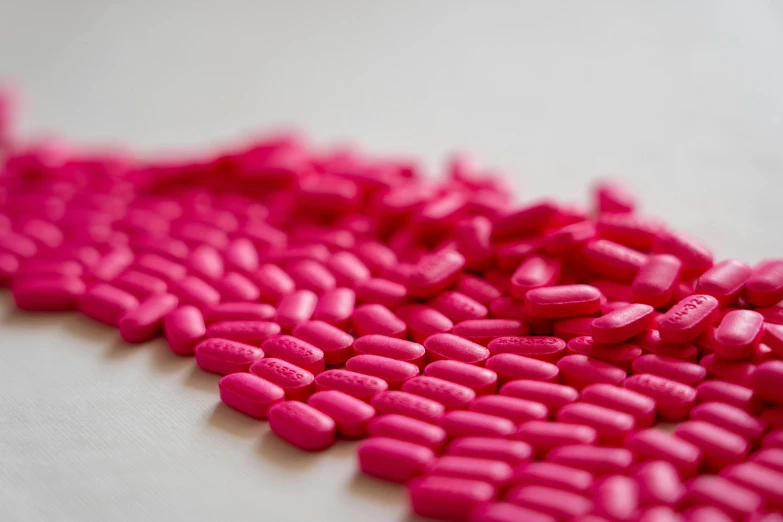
(295, 308)
(250, 332)
(238, 312)
(656, 280)
(764, 287)
(562, 505)
(145, 322)
(724, 281)
(494, 472)
(598, 460)
(622, 324)
(474, 424)
(544, 348)
(484, 331)
(612, 426)
(423, 321)
(640, 407)
(738, 334)
(412, 430)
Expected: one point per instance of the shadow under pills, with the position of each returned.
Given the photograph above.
(279, 453)
(202, 380)
(376, 490)
(235, 423)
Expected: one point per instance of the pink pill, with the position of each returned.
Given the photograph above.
(296, 351)
(622, 324)
(393, 460)
(309, 274)
(510, 367)
(597, 460)
(534, 272)
(659, 483)
(106, 303)
(351, 416)
(551, 475)
(651, 341)
(761, 480)
(238, 312)
(302, 425)
(250, 332)
(620, 355)
(390, 347)
(160, 267)
(140, 284)
(223, 357)
(494, 472)
(406, 404)
(377, 319)
(614, 198)
(772, 314)
(612, 260)
(474, 424)
(264, 236)
(579, 371)
(766, 382)
(347, 269)
(394, 372)
(441, 213)
(415, 431)
(335, 307)
(505, 307)
(474, 242)
(480, 380)
(509, 255)
(613, 290)
(728, 393)
(734, 500)
(423, 321)
(18, 244)
(526, 221)
(233, 286)
(686, 320)
(507, 512)
(196, 292)
(738, 334)
(50, 293)
(567, 329)
(724, 281)
(512, 452)
(674, 399)
(273, 283)
(640, 407)
(241, 255)
(737, 372)
(511, 408)
(448, 346)
(205, 262)
(295, 308)
(452, 396)
(548, 349)
(355, 384)
(617, 498)
(381, 291)
(336, 344)
(773, 439)
(706, 514)
(764, 287)
(51, 267)
(631, 230)
(730, 418)
(543, 436)
(720, 446)
(696, 258)
(673, 369)
(459, 307)
(184, 328)
(553, 396)
(562, 505)
(771, 458)
(249, 393)
(557, 302)
(448, 498)
(483, 331)
(375, 256)
(612, 426)
(653, 444)
(435, 273)
(295, 382)
(478, 289)
(772, 336)
(145, 322)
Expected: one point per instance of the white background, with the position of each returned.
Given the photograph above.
(682, 99)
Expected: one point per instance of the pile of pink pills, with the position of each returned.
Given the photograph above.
(505, 363)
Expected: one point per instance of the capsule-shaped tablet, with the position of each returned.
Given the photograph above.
(145, 322)
(423, 321)
(335, 306)
(773, 417)
(724, 281)
(506, 307)
(478, 289)
(393, 460)
(773, 439)
(507, 512)
(659, 483)
(543, 348)
(654, 444)
(686, 320)
(448, 498)
(772, 336)
(309, 274)
(562, 505)
(579, 371)
(474, 424)
(703, 513)
(732, 499)
(295, 382)
(480, 380)
(452, 396)
(238, 312)
(106, 303)
(184, 328)
(295, 308)
(621, 355)
(651, 341)
(355, 384)
(375, 256)
(160, 267)
(112, 264)
(302, 425)
(766, 382)
(139, 284)
(511, 408)
(553, 396)
(510, 367)
(738, 334)
(764, 287)
(526, 221)
(640, 407)
(452, 347)
(191, 290)
(563, 301)
(249, 393)
(400, 427)
(391, 347)
(567, 329)
(241, 255)
(534, 272)
(543, 436)
(696, 258)
(272, 282)
(551, 475)
(761, 480)
(737, 372)
(50, 294)
(622, 324)
(598, 460)
(406, 404)
(612, 260)
(223, 356)
(351, 416)
(250, 332)
(295, 351)
(377, 319)
(381, 291)
(474, 242)
(394, 372)
(435, 273)
(728, 393)
(495, 472)
(673, 369)
(347, 269)
(656, 281)
(512, 452)
(617, 498)
(612, 426)
(719, 446)
(730, 418)
(771, 458)
(483, 331)
(459, 307)
(674, 399)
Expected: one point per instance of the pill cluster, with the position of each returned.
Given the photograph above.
(506, 363)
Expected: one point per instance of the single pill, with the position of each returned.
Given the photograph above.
(483, 331)
(241, 255)
(375, 256)
(295, 382)
(233, 286)
(551, 475)
(772, 314)
(459, 307)
(377, 319)
(351, 416)
(771, 458)
(347, 269)
(510, 367)
(567, 329)
(674, 399)
(393, 460)
(435, 273)
(52, 294)
(562, 505)
(543, 348)
(543, 436)
(724, 281)
(381, 291)
(512, 452)
(184, 328)
(478, 289)
(355, 384)
(526, 221)
(687, 319)
(250, 332)
(534, 272)
(738, 334)
(640, 407)
(295, 308)
(508, 255)
(614, 198)
(302, 425)
(706, 514)
(772, 336)
(766, 382)
(728, 393)
(622, 324)
(696, 258)
(761, 480)
(734, 500)
(160, 267)
(673, 369)
(737, 372)
(400, 427)
(612, 260)
(730, 418)
(474, 424)
(191, 290)
(598, 460)
(391, 347)
(249, 393)
(140, 284)
(452, 347)
(112, 264)
(145, 322)
(480, 380)
(495, 472)
(106, 303)
(223, 356)
(507, 512)
(612, 426)
(617, 498)
(511, 408)
(506, 307)
(394, 372)
(406, 404)
(273, 283)
(295, 351)
(474, 242)
(653, 444)
(764, 287)
(553, 396)
(238, 312)
(556, 302)
(309, 274)
(621, 355)
(335, 306)
(651, 341)
(659, 483)
(448, 498)
(630, 230)
(452, 396)
(579, 371)
(423, 321)
(721, 447)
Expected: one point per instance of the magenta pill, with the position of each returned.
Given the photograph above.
(507, 512)
(295, 308)
(452, 347)
(309, 274)
(544, 436)
(184, 328)
(622, 324)
(673, 369)
(738, 334)
(563, 301)
(51, 294)
(391, 347)
(435, 273)
(567, 329)
(771, 458)
(689, 318)
(140, 284)
(737, 372)
(761, 480)
(249, 393)
(772, 314)
(764, 287)
(347, 269)
(651, 341)
(534, 272)
(250, 332)
(375, 256)
(728, 393)
(238, 312)
(640, 407)
(400, 427)
(653, 444)
(597, 460)
(423, 321)
(474, 242)
(612, 426)
(696, 258)
(460, 423)
(272, 282)
(659, 483)
(394, 372)
(448, 498)
(459, 307)
(233, 286)
(766, 382)
(514, 409)
(452, 396)
(730, 418)
(506, 307)
(617, 498)
(355, 384)
(612, 260)
(191, 290)
(106, 303)
(579, 371)
(223, 356)
(241, 255)
(724, 281)
(377, 319)
(351, 416)
(145, 322)
(674, 399)
(548, 349)
(160, 267)
(478, 289)
(562, 505)
(773, 417)
(772, 336)
(526, 221)
(551, 475)
(734, 500)
(393, 460)
(483, 331)
(657, 280)
(480, 380)
(302, 425)
(381, 291)
(720, 447)
(512, 452)
(406, 404)
(553, 396)
(705, 514)
(295, 382)
(621, 355)
(295, 351)
(494, 472)
(773, 439)
(205, 262)
(510, 367)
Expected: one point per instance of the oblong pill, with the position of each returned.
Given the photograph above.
(160, 267)
(687, 319)
(612, 426)
(347, 269)
(651, 341)
(360, 386)
(51, 294)
(738, 334)
(377, 319)
(483, 331)
(406, 404)
(205, 262)
(250, 332)
(223, 356)
(507, 512)
(763, 481)
(724, 281)
(184, 328)
(381, 291)
(249, 393)
(391, 347)
(106, 303)
(511, 408)
(400, 427)
(772, 336)
(112, 264)
(241, 255)
(732, 499)
(641, 407)
(612, 260)
(393, 460)
(551, 475)
(460, 423)
(719, 446)
(673, 369)
(562, 505)
(295, 351)
(233, 286)
(622, 324)
(598, 460)
(480, 380)
(656, 280)
(350, 415)
(659, 483)
(696, 258)
(452, 396)
(548, 349)
(534, 272)
(452, 347)
(302, 425)
(273, 283)
(764, 287)
(140, 284)
(309, 274)
(448, 498)
(579, 371)
(295, 308)
(145, 322)
(674, 399)
(730, 418)
(728, 393)
(435, 273)
(737, 372)
(553, 396)
(567, 329)
(543, 436)
(494, 472)
(458, 307)
(513, 452)
(238, 312)
(510, 367)
(191, 290)
(766, 382)
(771, 458)
(506, 307)
(654, 444)
(423, 321)
(394, 372)
(563, 301)
(295, 382)
(617, 498)
(621, 355)
(478, 289)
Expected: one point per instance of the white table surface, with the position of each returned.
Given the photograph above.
(682, 99)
